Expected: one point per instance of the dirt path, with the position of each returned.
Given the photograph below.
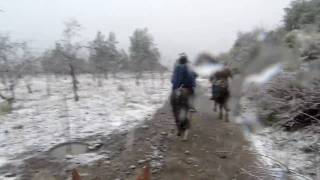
(215, 150)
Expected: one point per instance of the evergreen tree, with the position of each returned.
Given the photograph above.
(113, 56)
(302, 13)
(104, 55)
(98, 53)
(144, 54)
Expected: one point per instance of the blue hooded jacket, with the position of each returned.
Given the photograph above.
(182, 77)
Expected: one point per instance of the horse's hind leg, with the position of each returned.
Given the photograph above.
(220, 111)
(182, 115)
(226, 109)
(186, 134)
(215, 106)
(176, 120)
(176, 113)
(227, 116)
(187, 126)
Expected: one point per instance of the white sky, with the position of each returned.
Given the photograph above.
(189, 26)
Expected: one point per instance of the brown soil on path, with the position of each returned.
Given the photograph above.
(216, 150)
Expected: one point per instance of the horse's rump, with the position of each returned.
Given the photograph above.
(220, 94)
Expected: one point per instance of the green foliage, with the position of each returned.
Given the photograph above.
(104, 55)
(290, 40)
(302, 13)
(258, 49)
(143, 52)
(271, 119)
(5, 107)
(124, 61)
(245, 49)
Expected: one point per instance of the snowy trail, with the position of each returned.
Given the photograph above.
(274, 145)
(39, 122)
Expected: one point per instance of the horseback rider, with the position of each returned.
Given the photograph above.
(220, 90)
(183, 77)
(219, 81)
(183, 85)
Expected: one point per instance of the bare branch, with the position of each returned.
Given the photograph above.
(310, 116)
(250, 174)
(8, 99)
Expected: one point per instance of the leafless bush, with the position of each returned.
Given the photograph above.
(290, 102)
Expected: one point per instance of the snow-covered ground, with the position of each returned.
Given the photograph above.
(40, 121)
(287, 148)
(278, 149)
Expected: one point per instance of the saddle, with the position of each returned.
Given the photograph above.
(182, 92)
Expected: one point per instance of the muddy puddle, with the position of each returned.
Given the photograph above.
(69, 149)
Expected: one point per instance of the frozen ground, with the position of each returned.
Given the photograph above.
(281, 151)
(295, 152)
(40, 121)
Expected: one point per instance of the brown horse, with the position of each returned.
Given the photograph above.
(220, 91)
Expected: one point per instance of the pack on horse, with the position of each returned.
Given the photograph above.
(220, 91)
(183, 81)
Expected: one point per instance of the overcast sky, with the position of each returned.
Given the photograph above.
(189, 26)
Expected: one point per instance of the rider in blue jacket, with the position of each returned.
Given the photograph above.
(182, 76)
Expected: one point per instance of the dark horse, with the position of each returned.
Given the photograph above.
(220, 91)
(181, 110)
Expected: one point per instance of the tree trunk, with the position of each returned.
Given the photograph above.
(74, 83)
(99, 80)
(138, 77)
(12, 89)
(114, 74)
(162, 78)
(48, 84)
(153, 79)
(29, 88)
(93, 75)
(106, 75)
(28, 85)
